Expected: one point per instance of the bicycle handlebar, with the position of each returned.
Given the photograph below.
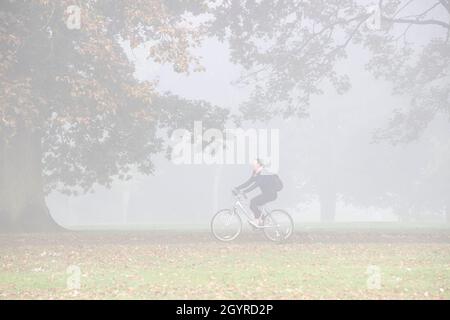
(238, 193)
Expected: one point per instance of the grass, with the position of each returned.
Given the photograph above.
(310, 226)
(131, 265)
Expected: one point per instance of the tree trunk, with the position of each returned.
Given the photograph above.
(403, 212)
(327, 199)
(22, 198)
(327, 177)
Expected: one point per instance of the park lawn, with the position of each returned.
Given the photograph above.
(212, 270)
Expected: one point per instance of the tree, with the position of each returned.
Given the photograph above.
(413, 52)
(72, 113)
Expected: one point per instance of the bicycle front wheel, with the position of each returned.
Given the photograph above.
(226, 225)
(278, 225)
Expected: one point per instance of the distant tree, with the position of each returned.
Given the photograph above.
(72, 114)
(418, 189)
(412, 50)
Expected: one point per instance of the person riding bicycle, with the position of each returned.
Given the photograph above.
(268, 183)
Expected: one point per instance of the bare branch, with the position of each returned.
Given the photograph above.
(418, 22)
(445, 4)
(428, 10)
(403, 7)
(423, 14)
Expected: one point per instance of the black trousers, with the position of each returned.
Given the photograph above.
(261, 200)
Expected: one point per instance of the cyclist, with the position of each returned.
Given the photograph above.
(268, 183)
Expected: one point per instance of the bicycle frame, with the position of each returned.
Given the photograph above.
(238, 206)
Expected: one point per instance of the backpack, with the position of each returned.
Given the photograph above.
(277, 183)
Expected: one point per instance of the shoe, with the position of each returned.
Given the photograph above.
(260, 222)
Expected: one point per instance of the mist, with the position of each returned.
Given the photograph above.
(337, 136)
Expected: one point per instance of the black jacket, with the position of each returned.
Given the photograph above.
(264, 181)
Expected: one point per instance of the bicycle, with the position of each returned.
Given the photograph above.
(226, 224)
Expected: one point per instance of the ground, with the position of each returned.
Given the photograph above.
(315, 264)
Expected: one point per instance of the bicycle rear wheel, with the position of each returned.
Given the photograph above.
(226, 225)
(278, 225)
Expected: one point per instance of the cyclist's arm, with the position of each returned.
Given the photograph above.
(246, 183)
(252, 187)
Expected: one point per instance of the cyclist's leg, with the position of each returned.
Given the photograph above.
(259, 201)
(255, 203)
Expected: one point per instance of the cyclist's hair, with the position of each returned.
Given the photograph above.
(260, 162)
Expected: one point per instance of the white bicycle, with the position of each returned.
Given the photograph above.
(226, 224)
